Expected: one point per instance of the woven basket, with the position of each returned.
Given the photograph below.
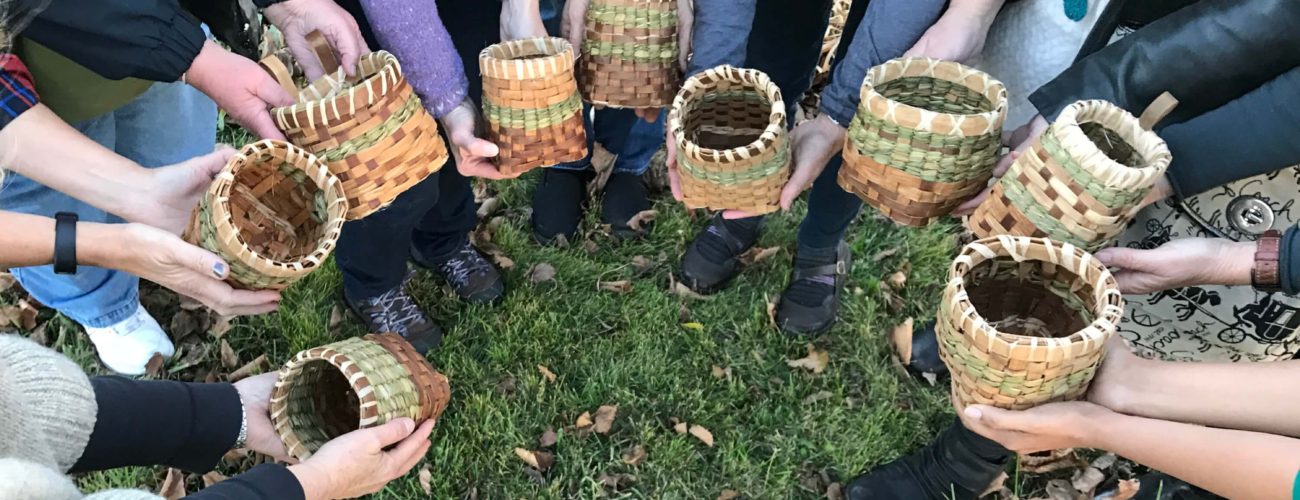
(372, 131)
(273, 214)
(925, 138)
(532, 105)
(629, 55)
(1081, 182)
(733, 151)
(357, 383)
(1023, 321)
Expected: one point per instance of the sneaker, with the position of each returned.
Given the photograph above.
(625, 196)
(957, 465)
(127, 346)
(475, 279)
(925, 353)
(713, 259)
(810, 304)
(395, 311)
(557, 204)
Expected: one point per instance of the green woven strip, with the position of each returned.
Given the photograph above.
(1109, 196)
(731, 178)
(664, 53)
(1025, 202)
(929, 156)
(532, 119)
(373, 136)
(632, 17)
(396, 394)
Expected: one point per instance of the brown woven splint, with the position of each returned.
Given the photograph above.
(733, 151)
(372, 130)
(630, 53)
(925, 138)
(532, 105)
(1023, 321)
(357, 383)
(274, 214)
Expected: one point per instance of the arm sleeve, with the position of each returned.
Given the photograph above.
(1205, 55)
(176, 424)
(17, 92)
(888, 29)
(413, 31)
(1252, 135)
(147, 39)
(264, 482)
(720, 34)
(1289, 262)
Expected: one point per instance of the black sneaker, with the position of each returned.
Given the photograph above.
(713, 259)
(475, 279)
(625, 196)
(810, 303)
(958, 465)
(395, 311)
(925, 353)
(557, 204)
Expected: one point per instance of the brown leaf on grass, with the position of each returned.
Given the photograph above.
(548, 439)
(720, 372)
(755, 255)
(885, 254)
(834, 491)
(41, 334)
(728, 495)
(27, 315)
(605, 418)
(584, 420)
(336, 318)
(426, 480)
(221, 326)
(212, 478)
(506, 386)
(541, 272)
(590, 247)
(815, 361)
(1060, 489)
(817, 396)
(488, 207)
(685, 291)
(501, 260)
(892, 301)
(185, 303)
(154, 367)
(256, 365)
(7, 281)
(1050, 461)
(547, 373)
(1086, 481)
(639, 221)
(621, 286)
(680, 427)
(173, 485)
(228, 357)
(617, 481)
(539, 460)
(184, 323)
(771, 310)
(901, 338)
(897, 281)
(702, 434)
(641, 264)
(995, 486)
(634, 455)
(1126, 489)
(560, 241)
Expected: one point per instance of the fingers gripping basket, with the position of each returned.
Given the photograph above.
(1023, 321)
(1081, 182)
(357, 383)
(925, 138)
(371, 130)
(274, 214)
(531, 102)
(733, 151)
(629, 53)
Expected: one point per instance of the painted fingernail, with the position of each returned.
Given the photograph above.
(219, 269)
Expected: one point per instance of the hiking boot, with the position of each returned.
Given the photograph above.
(810, 303)
(557, 204)
(713, 259)
(957, 465)
(625, 196)
(395, 311)
(474, 279)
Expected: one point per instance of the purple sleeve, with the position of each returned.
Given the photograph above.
(412, 31)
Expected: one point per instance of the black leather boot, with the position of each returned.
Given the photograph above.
(957, 465)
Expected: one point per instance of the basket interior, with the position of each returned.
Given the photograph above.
(278, 211)
(727, 118)
(1032, 298)
(322, 405)
(1111, 144)
(935, 94)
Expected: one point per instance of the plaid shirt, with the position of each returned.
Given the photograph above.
(17, 94)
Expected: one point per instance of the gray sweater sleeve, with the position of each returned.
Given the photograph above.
(721, 33)
(888, 29)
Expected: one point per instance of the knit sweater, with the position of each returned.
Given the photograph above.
(412, 31)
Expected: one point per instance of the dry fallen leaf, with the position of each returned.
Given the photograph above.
(995, 486)
(499, 258)
(617, 481)
(755, 255)
(884, 254)
(605, 418)
(835, 491)
(901, 337)
(539, 460)
(488, 207)
(590, 247)
(546, 372)
(1059, 489)
(639, 221)
(541, 272)
(634, 455)
(815, 361)
(584, 420)
(685, 291)
(680, 427)
(7, 281)
(621, 286)
(426, 480)
(1087, 480)
(244, 371)
(720, 372)
(173, 486)
(548, 439)
(212, 478)
(897, 281)
(702, 434)
(641, 264)
(818, 396)
(771, 310)
(1126, 489)
(728, 495)
(154, 367)
(228, 357)
(336, 318)
(221, 326)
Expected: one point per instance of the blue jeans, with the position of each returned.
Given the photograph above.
(621, 132)
(169, 123)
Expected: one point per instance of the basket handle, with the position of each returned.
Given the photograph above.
(1158, 110)
(323, 52)
(280, 73)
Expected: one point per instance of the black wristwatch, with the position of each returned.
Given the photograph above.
(65, 243)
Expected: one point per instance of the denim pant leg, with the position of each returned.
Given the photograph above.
(620, 132)
(642, 141)
(167, 124)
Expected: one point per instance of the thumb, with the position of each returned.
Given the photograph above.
(993, 417)
(391, 432)
(804, 173)
(483, 148)
(202, 262)
(209, 165)
(346, 48)
(272, 93)
(1124, 258)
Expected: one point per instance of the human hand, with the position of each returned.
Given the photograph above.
(165, 259)
(356, 464)
(1118, 369)
(255, 394)
(522, 19)
(166, 197)
(959, 34)
(1048, 427)
(1180, 263)
(573, 24)
(685, 28)
(297, 18)
(240, 87)
(473, 155)
(1019, 140)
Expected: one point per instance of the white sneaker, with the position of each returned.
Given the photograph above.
(127, 346)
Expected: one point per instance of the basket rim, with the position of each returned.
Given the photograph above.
(498, 60)
(707, 81)
(336, 206)
(388, 77)
(1108, 311)
(1150, 147)
(278, 402)
(986, 122)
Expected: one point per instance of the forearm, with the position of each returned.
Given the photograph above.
(721, 33)
(1245, 464)
(414, 33)
(28, 240)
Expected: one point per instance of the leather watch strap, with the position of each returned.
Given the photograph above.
(65, 243)
(1266, 275)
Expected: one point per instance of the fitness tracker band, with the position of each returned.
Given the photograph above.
(65, 243)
